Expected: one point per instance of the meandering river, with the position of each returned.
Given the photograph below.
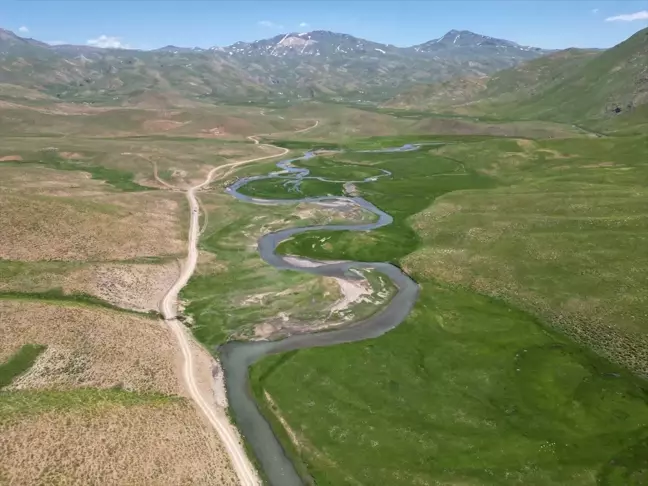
(237, 357)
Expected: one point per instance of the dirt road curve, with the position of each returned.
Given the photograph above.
(168, 307)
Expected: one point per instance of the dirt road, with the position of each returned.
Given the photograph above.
(168, 307)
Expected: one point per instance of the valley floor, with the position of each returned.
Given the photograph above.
(512, 368)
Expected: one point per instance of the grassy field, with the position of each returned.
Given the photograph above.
(466, 390)
(518, 246)
(564, 239)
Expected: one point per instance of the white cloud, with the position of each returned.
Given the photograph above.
(270, 24)
(304, 24)
(23, 29)
(107, 41)
(56, 42)
(595, 11)
(643, 15)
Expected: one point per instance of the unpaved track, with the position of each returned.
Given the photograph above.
(304, 130)
(168, 307)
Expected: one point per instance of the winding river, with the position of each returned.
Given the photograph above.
(237, 357)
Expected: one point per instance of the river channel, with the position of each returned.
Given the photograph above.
(237, 357)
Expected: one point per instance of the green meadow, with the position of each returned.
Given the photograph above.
(524, 359)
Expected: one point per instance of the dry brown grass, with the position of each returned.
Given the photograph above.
(131, 286)
(135, 286)
(135, 445)
(89, 347)
(109, 227)
(39, 180)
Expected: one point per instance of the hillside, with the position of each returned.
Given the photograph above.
(569, 85)
(318, 64)
(614, 82)
(514, 84)
(437, 96)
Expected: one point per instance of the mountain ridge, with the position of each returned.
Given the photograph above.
(318, 64)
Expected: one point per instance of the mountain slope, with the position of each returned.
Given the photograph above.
(613, 82)
(509, 85)
(574, 85)
(318, 64)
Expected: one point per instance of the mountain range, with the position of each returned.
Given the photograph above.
(318, 64)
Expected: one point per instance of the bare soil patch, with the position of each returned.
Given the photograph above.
(143, 444)
(353, 292)
(526, 144)
(89, 347)
(284, 423)
(600, 164)
(71, 155)
(9, 158)
(161, 125)
(555, 154)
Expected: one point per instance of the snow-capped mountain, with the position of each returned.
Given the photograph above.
(312, 64)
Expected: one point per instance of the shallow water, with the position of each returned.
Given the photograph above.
(236, 357)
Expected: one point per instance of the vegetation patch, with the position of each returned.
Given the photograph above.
(19, 363)
(30, 402)
(58, 296)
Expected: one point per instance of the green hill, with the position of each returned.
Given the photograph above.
(612, 83)
(531, 78)
(468, 94)
(574, 85)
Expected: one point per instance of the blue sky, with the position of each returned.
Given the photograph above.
(150, 24)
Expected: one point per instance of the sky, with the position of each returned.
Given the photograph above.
(552, 24)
